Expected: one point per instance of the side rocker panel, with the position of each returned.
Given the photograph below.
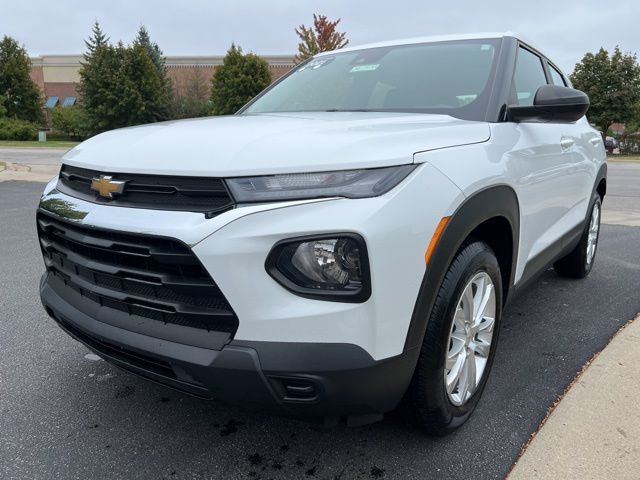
(496, 201)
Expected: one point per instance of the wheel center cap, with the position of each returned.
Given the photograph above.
(469, 336)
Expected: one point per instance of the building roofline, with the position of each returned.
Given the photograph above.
(72, 60)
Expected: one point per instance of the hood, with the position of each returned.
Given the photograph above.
(260, 144)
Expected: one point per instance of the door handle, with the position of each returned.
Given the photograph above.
(566, 143)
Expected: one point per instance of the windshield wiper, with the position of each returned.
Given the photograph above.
(348, 110)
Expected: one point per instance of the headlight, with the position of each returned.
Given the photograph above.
(297, 186)
(333, 267)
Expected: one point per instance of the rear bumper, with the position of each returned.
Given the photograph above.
(290, 378)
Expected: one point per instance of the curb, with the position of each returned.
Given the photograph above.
(14, 167)
(10, 171)
(563, 442)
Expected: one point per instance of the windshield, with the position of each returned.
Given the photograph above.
(443, 77)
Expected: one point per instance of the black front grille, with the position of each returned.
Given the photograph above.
(189, 194)
(146, 276)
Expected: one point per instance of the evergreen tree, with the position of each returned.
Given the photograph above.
(97, 39)
(22, 98)
(144, 92)
(240, 78)
(120, 86)
(322, 37)
(152, 49)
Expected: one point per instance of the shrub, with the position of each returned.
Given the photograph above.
(240, 78)
(189, 107)
(12, 129)
(69, 121)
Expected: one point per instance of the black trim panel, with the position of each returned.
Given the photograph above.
(543, 260)
(496, 108)
(497, 201)
(155, 192)
(326, 380)
(602, 175)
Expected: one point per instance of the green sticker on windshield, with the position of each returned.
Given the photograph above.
(365, 68)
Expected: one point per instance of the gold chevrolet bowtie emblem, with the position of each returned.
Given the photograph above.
(107, 187)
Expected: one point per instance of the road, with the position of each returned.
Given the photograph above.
(66, 415)
(32, 156)
(622, 203)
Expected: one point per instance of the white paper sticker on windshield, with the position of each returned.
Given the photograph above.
(365, 68)
(316, 63)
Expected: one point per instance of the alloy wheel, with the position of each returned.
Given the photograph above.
(470, 339)
(594, 227)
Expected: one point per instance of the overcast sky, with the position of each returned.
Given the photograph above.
(563, 29)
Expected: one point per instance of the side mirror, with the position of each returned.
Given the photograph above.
(552, 103)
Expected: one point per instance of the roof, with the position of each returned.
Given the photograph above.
(440, 38)
(429, 39)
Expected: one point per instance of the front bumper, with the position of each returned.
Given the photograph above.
(234, 246)
(293, 355)
(328, 380)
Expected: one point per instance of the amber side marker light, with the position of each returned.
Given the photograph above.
(435, 238)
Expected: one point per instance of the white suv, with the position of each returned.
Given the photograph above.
(348, 238)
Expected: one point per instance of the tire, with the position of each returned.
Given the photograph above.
(579, 262)
(437, 406)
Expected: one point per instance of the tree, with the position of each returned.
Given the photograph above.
(3, 110)
(145, 95)
(152, 49)
(98, 39)
(193, 99)
(240, 78)
(22, 99)
(120, 86)
(613, 85)
(144, 40)
(322, 37)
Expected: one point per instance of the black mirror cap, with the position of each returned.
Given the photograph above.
(552, 103)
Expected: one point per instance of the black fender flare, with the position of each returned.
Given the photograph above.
(494, 201)
(602, 175)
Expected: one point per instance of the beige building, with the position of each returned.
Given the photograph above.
(58, 75)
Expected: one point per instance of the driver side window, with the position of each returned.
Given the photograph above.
(528, 77)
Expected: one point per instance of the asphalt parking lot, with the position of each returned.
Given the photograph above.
(65, 414)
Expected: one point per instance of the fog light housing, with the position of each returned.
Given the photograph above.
(328, 267)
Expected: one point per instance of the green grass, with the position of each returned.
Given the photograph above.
(623, 158)
(36, 144)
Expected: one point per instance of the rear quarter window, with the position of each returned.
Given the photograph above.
(556, 76)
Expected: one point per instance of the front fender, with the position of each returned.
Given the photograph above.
(496, 201)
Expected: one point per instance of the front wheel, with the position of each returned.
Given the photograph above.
(460, 341)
